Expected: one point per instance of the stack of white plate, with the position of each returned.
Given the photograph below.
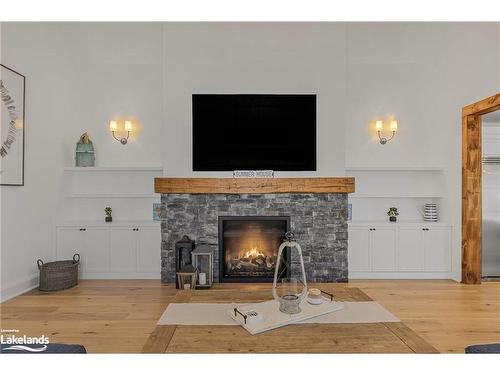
(430, 212)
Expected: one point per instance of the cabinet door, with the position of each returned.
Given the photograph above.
(383, 249)
(359, 249)
(95, 257)
(68, 242)
(410, 249)
(437, 250)
(123, 250)
(149, 250)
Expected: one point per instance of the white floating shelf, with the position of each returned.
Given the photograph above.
(396, 169)
(389, 196)
(399, 222)
(113, 169)
(97, 196)
(115, 223)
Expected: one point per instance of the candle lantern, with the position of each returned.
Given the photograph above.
(289, 291)
(183, 249)
(203, 263)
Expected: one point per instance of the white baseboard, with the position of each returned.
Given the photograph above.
(401, 275)
(14, 289)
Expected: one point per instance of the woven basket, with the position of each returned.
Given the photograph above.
(62, 274)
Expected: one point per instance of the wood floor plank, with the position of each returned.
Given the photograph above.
(159, 340)
(416, 343)
(358, 295)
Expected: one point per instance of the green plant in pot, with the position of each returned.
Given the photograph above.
(108, 211)
(393, 213)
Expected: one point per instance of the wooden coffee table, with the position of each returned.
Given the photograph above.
(297, 338)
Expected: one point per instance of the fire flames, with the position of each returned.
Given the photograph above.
(253, 253)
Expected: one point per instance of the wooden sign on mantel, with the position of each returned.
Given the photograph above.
(253, 174)
(318, 185)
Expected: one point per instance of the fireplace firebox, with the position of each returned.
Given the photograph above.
(248, 247)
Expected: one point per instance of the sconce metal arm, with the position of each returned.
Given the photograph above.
(123, 141)
(384, 140)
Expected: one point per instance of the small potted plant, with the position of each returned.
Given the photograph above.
(108, 211)
(393, 213)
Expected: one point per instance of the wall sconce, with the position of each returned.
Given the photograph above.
(393, 126)
(113, 126)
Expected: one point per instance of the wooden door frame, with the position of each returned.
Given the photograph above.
(472, 187)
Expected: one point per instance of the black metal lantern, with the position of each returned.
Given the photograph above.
(183, 249)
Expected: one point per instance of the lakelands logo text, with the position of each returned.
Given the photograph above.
(18, 343)
(23, 340)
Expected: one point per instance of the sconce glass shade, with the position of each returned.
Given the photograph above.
(113, 126)
(378, 125)
(394, 125)
(128, 125)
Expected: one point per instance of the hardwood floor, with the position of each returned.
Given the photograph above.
(110, 316)
(448, 315)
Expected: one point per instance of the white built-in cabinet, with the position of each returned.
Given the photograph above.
(129, 247)
(420, 250)
(112, 250)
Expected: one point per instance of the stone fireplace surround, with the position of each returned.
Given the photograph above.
(318, 219)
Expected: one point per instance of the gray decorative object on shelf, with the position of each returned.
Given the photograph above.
(84, 154)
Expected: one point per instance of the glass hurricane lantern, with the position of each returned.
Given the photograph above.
(289, 291)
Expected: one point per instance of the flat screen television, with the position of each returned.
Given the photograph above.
(254, 132)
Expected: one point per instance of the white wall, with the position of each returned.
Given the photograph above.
(81, 75)
(420, 74)
(78, 77)
(117, 74)
(254, 58)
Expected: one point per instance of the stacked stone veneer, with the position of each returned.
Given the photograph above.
(319, 222)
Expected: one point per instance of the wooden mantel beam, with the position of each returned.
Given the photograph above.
(321, 185)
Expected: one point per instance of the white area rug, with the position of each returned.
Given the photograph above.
(216, 314)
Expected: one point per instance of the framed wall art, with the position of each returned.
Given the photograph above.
(12, 127)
